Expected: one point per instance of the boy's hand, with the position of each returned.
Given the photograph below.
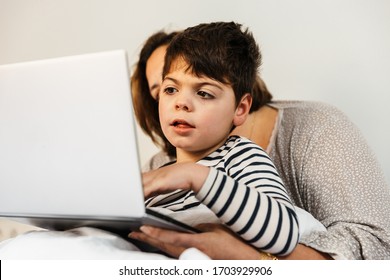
(184, 176)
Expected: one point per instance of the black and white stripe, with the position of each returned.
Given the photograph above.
(245, 191)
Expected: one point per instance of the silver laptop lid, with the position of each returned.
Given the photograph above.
(67, 143)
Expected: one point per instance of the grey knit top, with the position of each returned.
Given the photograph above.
(329, 170)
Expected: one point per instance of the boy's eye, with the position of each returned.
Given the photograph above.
(205, 95)
(170, 90)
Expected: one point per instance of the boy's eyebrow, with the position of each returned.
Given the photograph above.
(216, 84)
(171, 79)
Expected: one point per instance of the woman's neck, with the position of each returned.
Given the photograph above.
(259, 126)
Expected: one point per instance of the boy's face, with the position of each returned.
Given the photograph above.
(196, 113)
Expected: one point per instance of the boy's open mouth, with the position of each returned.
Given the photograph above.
(181, 124)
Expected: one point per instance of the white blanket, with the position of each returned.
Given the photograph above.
(79, 244)
(92, 243)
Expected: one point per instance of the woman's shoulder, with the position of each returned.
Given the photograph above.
(305, 106)
(309, 113)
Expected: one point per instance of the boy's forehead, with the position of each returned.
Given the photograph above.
(179, 63)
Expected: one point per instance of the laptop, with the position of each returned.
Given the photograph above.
(68, 146)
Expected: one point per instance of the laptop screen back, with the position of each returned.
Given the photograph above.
(67, 138)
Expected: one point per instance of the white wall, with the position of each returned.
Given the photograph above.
(335, 51)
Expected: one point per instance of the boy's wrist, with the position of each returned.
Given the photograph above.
(199, 174)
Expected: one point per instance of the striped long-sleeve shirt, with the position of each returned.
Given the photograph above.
(244, 190)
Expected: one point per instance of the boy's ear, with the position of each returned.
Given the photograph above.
(242, 110)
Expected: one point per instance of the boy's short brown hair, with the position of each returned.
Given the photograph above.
(221, 51)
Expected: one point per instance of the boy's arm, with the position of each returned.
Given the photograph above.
(266, 220)
(247, 194)
(251, 200)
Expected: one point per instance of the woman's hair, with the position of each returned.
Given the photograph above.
(260, 95)
(145, 106)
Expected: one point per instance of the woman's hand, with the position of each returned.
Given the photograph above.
(169, 178)
(216, 241)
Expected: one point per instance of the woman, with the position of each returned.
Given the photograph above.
(327, 167)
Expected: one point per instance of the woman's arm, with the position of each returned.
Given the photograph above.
(302, 252)
(334, 175)
(216, 241)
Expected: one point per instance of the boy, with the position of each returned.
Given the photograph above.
(208, 76)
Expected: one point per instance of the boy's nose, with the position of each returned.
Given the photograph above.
(183, 102)
(182, 106)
